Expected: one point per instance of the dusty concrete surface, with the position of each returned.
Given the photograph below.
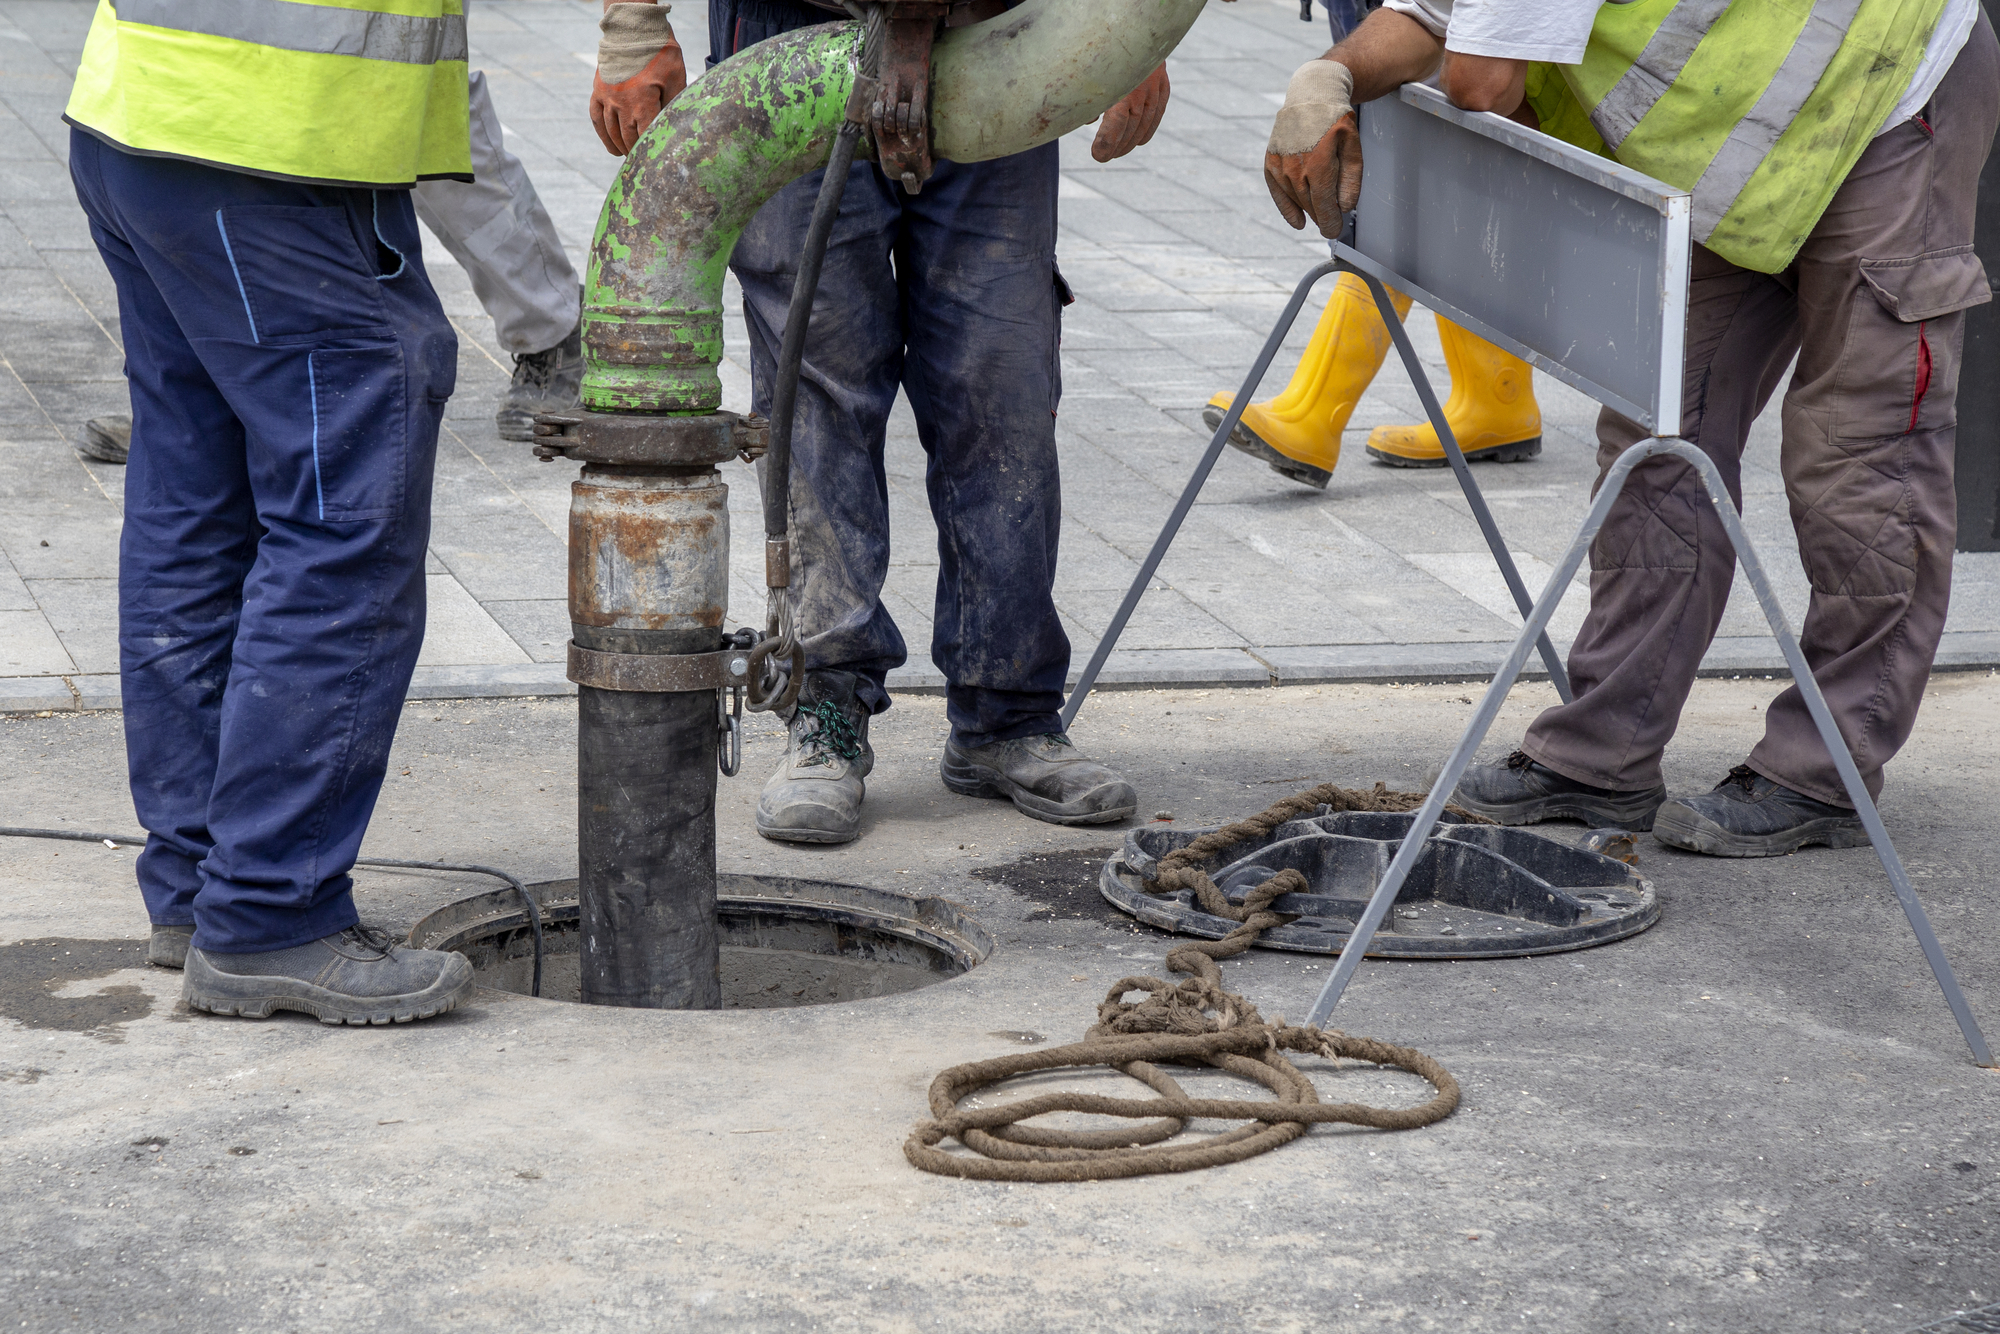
(1756, 1116)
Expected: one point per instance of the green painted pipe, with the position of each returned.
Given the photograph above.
(652, 301)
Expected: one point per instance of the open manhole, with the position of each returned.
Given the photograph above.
(785, 942)
(1479, 891)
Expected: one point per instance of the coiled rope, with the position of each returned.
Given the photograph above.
(1192, 1022)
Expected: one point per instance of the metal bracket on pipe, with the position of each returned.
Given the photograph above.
(899, 116)
(659, 673)
(1496, 694)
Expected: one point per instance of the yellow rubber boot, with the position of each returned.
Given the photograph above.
(1298, 432)
(1491, 410)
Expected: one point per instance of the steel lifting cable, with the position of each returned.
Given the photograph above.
(534, 909)
(1194, 1022)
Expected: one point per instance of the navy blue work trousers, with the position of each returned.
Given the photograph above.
(951, 295)
(289, 364)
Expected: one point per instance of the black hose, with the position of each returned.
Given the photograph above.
(534, 909)
(785, 392)
(791, 351)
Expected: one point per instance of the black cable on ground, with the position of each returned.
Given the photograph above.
(527, 899)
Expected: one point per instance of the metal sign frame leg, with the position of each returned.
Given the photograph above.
(1463, 471)
(1517, 657)
(1258, 369)
(1193, 489)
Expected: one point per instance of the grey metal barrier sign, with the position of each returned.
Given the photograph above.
(1579, 266)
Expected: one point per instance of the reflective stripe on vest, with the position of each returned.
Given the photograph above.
(1760, 108)
(1655, 70)
(345, 92)
(1758, 133)
(403, 38)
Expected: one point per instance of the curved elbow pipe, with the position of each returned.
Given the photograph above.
(652, 306)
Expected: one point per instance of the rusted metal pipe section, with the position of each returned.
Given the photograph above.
(648, 590)
(649, 532)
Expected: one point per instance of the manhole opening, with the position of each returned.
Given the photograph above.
(785, 942)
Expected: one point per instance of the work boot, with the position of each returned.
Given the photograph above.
(1748, 815)
(1517, 790)
(1298, 432)
(168, 947)
(546, 381)
(107, 439)
(1491, 411)
(357, 976)
(815, 795)
(1043, 776)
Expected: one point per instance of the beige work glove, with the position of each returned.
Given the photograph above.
(639, 70)
(1313, 162)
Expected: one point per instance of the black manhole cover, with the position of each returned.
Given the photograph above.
(1477, 892)
(785, 941)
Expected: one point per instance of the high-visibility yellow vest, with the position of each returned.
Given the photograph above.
(1758, 107)
(347, 92)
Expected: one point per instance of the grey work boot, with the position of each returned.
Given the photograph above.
(1517, 790)
(168, 947)
(1748, 815)
(107, 439)
(546, 381)
(357, 976)
(815, 795)
(1043, 776)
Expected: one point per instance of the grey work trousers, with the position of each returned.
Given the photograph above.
(1873, 306)
(498, 231)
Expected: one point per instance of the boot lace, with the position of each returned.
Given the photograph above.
(371, 938)
(536, 370)
(831, 734)
(1744, 777)
(1520, 759)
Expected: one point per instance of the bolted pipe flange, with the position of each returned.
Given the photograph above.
(649, 439)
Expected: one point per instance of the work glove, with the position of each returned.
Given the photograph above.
(639, 71)
(1313, 162)
(1133, 118)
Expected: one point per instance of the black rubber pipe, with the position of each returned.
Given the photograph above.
(645, 807)
(791, 353)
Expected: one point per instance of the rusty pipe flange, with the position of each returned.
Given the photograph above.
(648, 439)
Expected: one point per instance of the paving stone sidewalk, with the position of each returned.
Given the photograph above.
(1180, 265)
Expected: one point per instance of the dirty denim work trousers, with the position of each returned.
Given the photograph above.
(289, 363)
(951, 295)
(1874, 307)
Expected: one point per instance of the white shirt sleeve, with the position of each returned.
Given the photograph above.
(1553, 30)
(1433, 14)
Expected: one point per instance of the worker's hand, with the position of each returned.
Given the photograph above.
(1313, 162)
(639, 71)
(1132, 120)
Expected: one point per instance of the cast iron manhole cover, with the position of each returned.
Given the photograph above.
(1478, 891)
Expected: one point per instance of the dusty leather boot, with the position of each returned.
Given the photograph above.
(168, 946)
(547, 381)
(1516, 790)
(357, 976)
(1043, 776)
(1748, 815)
(815, 795)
